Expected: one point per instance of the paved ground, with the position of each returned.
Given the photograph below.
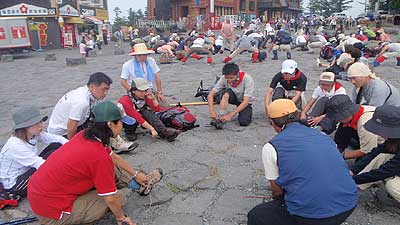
(208, 172)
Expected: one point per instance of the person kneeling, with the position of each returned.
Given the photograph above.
(141, 104)
(236, 88)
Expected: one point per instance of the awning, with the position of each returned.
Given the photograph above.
(77, 20)
(94, 20)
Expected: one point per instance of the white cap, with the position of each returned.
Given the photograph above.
(289, 66)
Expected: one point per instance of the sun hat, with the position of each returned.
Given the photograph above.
(280, 108)
(289, 66)
(108, 111)
(26, 117)
(141, 49)
(140, 84)
(359, 69)
(385, 122)
(340, 107)
(327, 77)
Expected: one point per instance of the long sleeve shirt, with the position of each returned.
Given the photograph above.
(18, 156)
(132, 111)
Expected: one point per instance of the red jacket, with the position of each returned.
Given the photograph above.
(130, 108)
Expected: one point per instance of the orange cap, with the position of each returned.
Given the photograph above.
(280, 108)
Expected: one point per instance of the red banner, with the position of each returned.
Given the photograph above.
(43, 33)
(215, 23)
(2, 33)
(18, 32)
(68, 36)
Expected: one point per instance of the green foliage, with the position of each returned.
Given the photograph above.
(327, 7)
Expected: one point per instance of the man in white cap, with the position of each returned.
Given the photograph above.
(142, 66)
(293, 83)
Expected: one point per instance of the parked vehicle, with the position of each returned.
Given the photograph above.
(14, 36)
(339, 15)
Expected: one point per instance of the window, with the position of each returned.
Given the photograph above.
(185, 11)
(252, 6)
(243, 5)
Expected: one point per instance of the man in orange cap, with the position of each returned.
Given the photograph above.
(309, 184)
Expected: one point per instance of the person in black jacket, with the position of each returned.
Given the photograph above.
(383, 162)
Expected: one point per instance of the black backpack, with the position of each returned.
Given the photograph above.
(203, 93)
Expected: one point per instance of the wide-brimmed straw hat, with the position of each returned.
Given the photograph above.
(26, 117)
(141, 49)
(385, 122)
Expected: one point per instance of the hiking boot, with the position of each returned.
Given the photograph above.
(217, 123)
(131, 137)
(170, 134)
(155, 177)
(119, 145)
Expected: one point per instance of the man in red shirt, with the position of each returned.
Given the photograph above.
(78, 185)
(141, 105)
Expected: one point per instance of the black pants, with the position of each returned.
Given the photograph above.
(246, 115)
(280, 93)
(328, 125)
(346, 136)
(276, 213)
(21, 186)
(151, 118)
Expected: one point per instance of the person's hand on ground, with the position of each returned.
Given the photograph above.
(228, 117)
(142, 178)
(154, 133)
(315, 120)
(303, 115)
(127, 221)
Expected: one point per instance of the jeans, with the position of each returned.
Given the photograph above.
(151, 118)
(276, 213)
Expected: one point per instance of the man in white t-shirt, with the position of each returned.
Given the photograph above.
(327, 88)
(72, 111)
(142, 66)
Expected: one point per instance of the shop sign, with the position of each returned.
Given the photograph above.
(43, 33)
(85, 11)
(101, 14)
(68, 10)
(24, 9)
(18, 32)
(2, 33)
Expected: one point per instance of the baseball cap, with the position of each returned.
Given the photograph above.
(327, 76)
(280, 108)
(108, 111)
(289, 66)
(140, 84)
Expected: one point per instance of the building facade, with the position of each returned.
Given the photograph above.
(191, 9)
(279, 8)
(57, 23)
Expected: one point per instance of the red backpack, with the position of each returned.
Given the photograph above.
(327, 53)
(178, 117)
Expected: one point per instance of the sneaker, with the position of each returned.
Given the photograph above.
(155, 177)
(217, 123)
(119, 145)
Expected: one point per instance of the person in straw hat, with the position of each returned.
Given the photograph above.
(142, 66)
(309, 186)
(383, 162)
(84, 179)
(20, 156)
(371, 90)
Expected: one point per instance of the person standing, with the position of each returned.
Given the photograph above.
(228, 35)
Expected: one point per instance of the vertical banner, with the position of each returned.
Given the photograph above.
(43, 33)
(211, 6)
(68, 36)
(2, 33)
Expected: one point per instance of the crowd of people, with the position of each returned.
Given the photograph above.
(80, 175)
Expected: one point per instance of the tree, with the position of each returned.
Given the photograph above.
(139, 13)
(117, 11)
(132, 15)
(342, 5)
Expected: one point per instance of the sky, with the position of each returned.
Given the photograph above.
(124, 5)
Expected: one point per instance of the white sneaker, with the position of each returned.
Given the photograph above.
(119, 145)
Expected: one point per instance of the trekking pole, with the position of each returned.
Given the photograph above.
(258, 196)
(187, 104)
(20, 221)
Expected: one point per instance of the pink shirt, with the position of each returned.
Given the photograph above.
(227, 31)
(82, 48)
